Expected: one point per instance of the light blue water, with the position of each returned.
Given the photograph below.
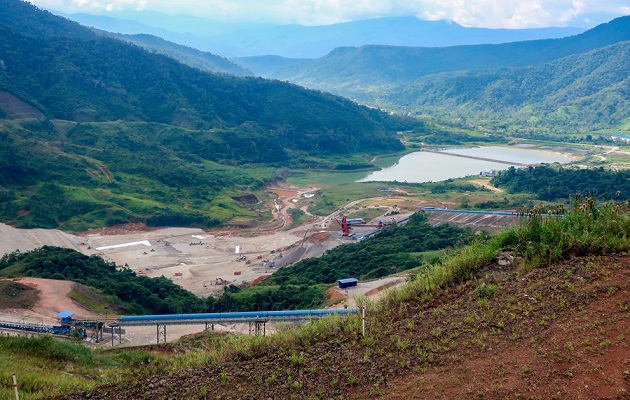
(431, 167)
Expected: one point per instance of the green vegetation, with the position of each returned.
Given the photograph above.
(558, 86)
(186, 55)
(137, 294)
(559, 183)
(298, 216)
(95, 300)
(385, 254)
(538, 241)
(46, 366)
(132, 136)
(564, 95)
(301, 285)
(269, 297)
(336, 196)
(407, 331)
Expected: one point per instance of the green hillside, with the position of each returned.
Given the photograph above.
(132, 294)
(186, 55)
(532, 310)
(479, 84)
(583, 92)
(121, 134)
(361, 67)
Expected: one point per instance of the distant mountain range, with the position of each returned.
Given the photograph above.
(395, 77)
(298, 41)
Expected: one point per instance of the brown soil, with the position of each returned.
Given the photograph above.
(256, 281)
(334, 296)
(105, 172)
(557, 332)
(284, 193)
(319, 238)
(53, 297)
(16, 295)
(122, 229)
(18, 109)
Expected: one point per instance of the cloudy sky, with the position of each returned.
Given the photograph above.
(477, 13)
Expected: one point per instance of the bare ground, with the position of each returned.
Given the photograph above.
(556, 332)
(52, 297)
(18, 109)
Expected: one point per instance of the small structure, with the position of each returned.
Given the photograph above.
(348, 282)
(621, 138)
(488, 174)
(65, 317)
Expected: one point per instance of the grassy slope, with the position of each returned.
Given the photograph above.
(467, 328)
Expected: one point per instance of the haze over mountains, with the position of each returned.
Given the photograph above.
(298, 41)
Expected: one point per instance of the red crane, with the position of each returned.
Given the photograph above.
(344, 226)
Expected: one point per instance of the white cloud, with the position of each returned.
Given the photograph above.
(480, 13)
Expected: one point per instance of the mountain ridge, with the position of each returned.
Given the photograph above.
(582, 90)
(408, 62)
(384, 76)
(315, 41)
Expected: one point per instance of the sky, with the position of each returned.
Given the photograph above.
(512, 14)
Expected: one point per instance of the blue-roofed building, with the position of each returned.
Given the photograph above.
(348, 282)
(65, 316)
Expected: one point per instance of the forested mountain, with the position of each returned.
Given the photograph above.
(186, 55)
(415, 77)
(583, 92)
(127, 134)
(361, 67)
(106, 80)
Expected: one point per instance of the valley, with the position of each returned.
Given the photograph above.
(476, 189)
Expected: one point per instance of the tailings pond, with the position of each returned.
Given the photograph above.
(424, 166)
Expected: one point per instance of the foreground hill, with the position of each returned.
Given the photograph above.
(528, 313)
(558, 332)
(96, 131)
